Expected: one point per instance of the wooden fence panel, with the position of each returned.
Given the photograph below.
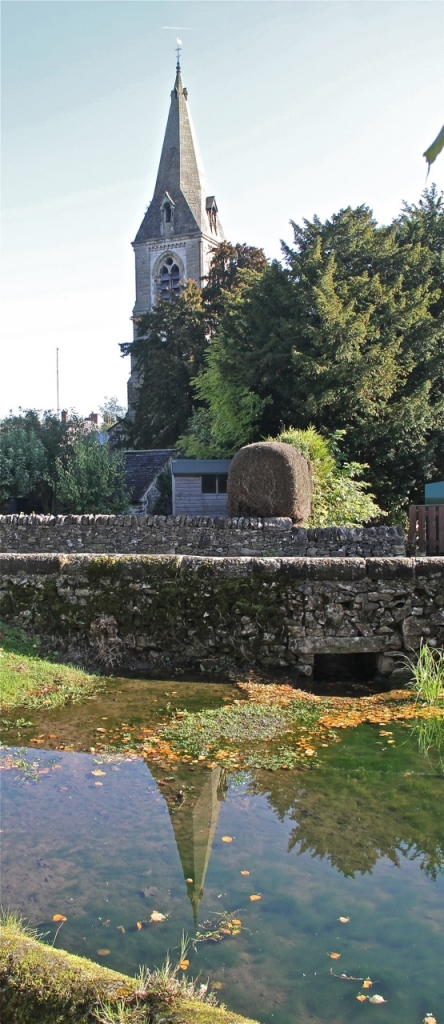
(426, 529)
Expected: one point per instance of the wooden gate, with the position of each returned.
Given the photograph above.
(426, 529)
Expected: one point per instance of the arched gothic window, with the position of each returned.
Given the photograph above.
(169, 279)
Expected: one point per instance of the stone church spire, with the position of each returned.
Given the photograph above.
(181, 179)
(181, 225)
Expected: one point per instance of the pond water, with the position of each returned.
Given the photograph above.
(361, 837)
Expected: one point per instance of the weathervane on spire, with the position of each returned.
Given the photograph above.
(178, 50)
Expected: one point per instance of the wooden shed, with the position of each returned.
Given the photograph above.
(200, 487)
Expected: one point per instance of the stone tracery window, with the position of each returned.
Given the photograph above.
(169, 279)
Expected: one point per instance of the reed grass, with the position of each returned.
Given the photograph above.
(428, 674)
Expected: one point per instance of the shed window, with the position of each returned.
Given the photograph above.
(213, 484)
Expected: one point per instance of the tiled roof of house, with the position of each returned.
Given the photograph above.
(141, 469)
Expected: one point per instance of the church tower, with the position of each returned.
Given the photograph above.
(181, 225)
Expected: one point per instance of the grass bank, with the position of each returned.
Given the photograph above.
(43, 985)
(31, 677)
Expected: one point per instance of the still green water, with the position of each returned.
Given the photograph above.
(360, 837)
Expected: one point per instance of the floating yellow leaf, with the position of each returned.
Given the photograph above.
(157, 916)
(227, 839)
(361, 998)
(236, 931)
(184, 964)
(98, 771)
(120, 928)
(245, 872)
(429, 1019)
(102, 952)
(189, 880)
(376, 999)
(139, 926)
(59, 917)
(236, 921)
(367, 983)
(344, 920)
(255, 897)
(334, 956)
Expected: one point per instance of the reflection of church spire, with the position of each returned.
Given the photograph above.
(193, 802)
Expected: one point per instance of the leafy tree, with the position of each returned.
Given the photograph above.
(340, 497)
(93, 479)
(170, 347)
(23, 459)
(348, 336)
(227, 261)
(111, 411)
(169, 350)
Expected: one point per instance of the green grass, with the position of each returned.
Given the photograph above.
(31, 678)
(428, 675)
(244, 728)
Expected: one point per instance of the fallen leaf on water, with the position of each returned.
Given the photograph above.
(157, 916)
(59, 917)
(98, 771)
(189, 880)
(344, 920)
(98, 783)
(334, 956)
(255, 897)
(120, 928)
(217, 984)
(225, 931)
(367, 983)
(139, 926)
(184, 964)
(361, 998)
(376, 999)
(245, 872)
(429, 1019)
(102, 952)
(227, 839)
(236, 921)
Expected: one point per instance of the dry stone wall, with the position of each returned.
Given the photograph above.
(156, 614)
(193, 535)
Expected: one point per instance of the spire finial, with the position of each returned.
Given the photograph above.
(178, 51)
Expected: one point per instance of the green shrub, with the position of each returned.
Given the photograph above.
(340, 496)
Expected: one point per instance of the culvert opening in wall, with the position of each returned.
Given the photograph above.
(344, 673)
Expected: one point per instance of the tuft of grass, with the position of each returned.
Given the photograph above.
(158, 995)
(428, 674)
(32, 679)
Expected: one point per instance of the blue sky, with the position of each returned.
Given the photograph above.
(299, 107)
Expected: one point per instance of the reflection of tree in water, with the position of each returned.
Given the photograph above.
(353, 819)
(193, 799)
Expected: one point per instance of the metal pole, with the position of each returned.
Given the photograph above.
(57, 376)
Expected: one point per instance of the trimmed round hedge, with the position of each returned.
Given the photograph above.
(270, 479)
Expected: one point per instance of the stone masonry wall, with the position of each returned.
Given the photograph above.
(156, 614)
(189, 535)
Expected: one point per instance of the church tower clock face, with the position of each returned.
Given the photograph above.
(181, 225)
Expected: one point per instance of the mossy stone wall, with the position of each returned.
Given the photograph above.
(156, 613)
